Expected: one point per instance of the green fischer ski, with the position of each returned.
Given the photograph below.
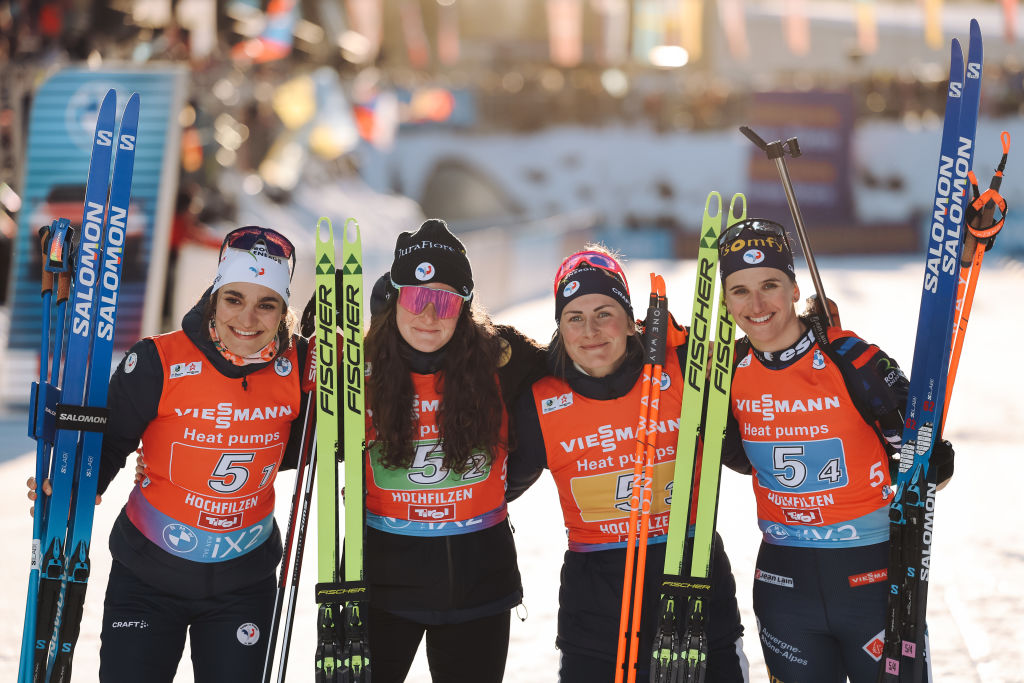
(342, 654)
(354, 664)
(326, 446)
(680, 644)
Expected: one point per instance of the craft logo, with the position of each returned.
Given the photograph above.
(571, 288)
(773, 579)
(818, 363)
(248, 633)
(186, 369)
(432, 513)
(282, 366)
(868, 577)
(219, 522)
(753, 256)
(180, 538)
(795, 516)
(424, 271)
(130, 362)
(875, 646)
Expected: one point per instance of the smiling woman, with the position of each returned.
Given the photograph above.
(196, 546)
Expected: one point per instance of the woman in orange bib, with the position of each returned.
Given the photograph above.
(196, 547)
(813, 420)
(439, 555)
(579, 423)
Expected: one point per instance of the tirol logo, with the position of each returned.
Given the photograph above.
(432, 513)
(753, 256)
(219, 522)
(180, 538)
(802, 516)
(425, 271)
(875, 646)
(571, 288)
(282, 366)
(818, 363)
(248, 633)
(666, 381)
(130, 362)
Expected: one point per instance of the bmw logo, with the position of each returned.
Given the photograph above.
(180, 538)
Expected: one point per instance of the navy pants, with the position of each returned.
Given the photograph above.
(457, 653)
(144, 630)
(821, 612)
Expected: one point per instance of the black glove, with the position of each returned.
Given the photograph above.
(307, 325)
(942, 461)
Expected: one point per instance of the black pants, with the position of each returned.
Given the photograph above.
(821, 611)
(470, 652)
(144, 631)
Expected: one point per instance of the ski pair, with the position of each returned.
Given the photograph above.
(912, 511)
(68, 422)
(680, 642)
(655, 340)
(342, 652)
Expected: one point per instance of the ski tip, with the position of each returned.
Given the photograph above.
(715, 199)
(352, 232)
(324, 230)
(737, 203)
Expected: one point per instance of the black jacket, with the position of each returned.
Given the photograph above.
(133, 399)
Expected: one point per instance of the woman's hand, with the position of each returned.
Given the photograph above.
(47, 490)
(141, 470)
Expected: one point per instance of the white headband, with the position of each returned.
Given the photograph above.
(254, 266)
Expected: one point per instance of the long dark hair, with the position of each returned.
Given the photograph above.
(471, 409)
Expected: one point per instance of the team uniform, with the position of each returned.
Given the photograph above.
(821, 479)
(196, 546)
(582, 429)
(439, 554)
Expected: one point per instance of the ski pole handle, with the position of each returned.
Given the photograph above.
(777, 151)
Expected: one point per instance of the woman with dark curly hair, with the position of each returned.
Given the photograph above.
(439, 554)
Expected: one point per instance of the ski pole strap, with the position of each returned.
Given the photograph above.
(685, 587)
(338, 593)
(82, 418)
(656, 324)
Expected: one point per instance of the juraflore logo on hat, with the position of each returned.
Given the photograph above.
(432, 254)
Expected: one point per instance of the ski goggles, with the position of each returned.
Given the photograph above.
(415, 298)
(592, 258)
(761, 227)
(246, 238)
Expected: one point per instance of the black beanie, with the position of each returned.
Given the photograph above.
(432, 254)
(755, 243)
(586, 279)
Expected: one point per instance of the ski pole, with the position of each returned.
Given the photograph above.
(777, 151)
(307, 386)
(654, 343)
(300, 546)
(982, 230)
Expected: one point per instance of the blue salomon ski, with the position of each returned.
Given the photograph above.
(912, 511)
(66, 515)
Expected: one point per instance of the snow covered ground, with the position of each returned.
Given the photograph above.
(976, 602)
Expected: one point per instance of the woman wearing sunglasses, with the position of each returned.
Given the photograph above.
(579, 422)
(214, 405)
(814, 421)
(439, 553)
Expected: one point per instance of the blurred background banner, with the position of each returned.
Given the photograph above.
(61, 125)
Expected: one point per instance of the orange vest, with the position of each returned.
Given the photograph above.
(590, 447)
(821, 476)
(426, 499)
(212, 453)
